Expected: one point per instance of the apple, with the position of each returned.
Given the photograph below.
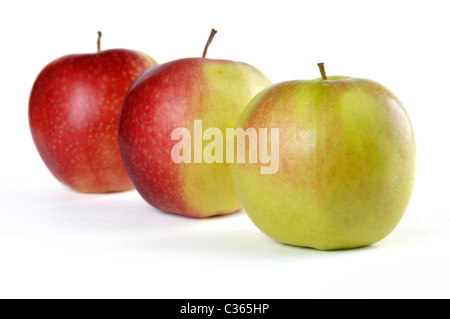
(176, 95)
(74, 111)
(347, 160)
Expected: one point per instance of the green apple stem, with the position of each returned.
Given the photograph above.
(98, 40)
(322, 70)
(211, 36)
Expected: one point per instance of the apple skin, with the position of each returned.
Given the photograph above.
(346, 168)
(173, 95)
(74, 111)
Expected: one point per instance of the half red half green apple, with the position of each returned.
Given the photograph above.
(174, 95)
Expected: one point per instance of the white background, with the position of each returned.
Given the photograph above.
(55, 243)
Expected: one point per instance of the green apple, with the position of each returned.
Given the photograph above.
(347, 158)
(176, 96)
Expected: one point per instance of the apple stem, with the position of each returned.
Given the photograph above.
(211, 36)
(98, 40)
(322, 70)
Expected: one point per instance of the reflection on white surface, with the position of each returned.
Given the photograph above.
(58, 243)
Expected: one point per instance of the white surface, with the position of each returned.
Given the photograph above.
(57, 243)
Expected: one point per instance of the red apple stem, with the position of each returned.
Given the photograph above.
(98, 40)
(322, 70)
(211, 36)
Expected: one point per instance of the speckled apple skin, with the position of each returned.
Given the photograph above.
(347, 163)
(74, 111)
(173, 95)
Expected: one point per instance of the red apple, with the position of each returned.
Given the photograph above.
(74, 115)
(173, 96)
